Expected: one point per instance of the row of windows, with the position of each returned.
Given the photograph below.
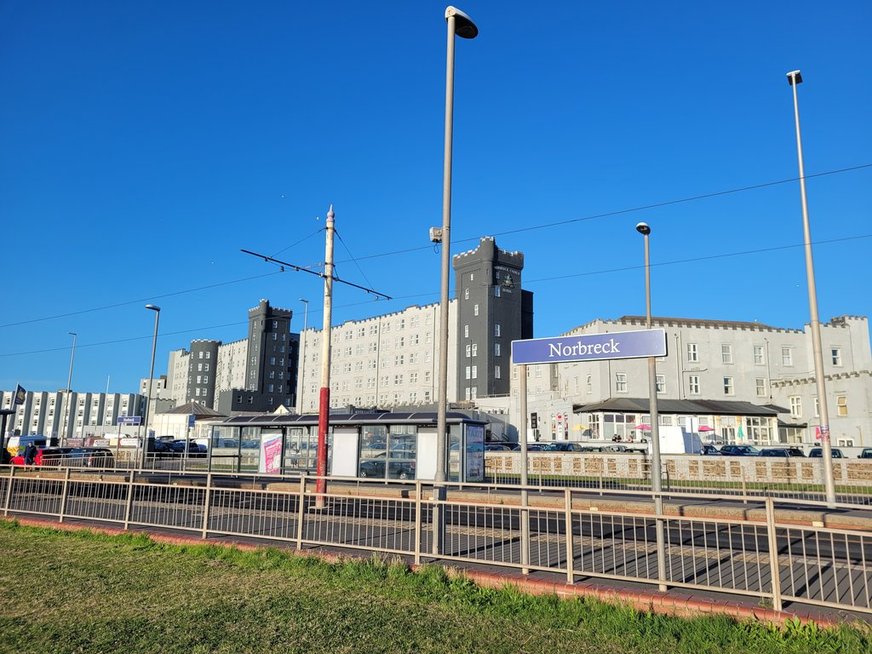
(760, 351)
(796, 406)
(693, 384)
(497, 331)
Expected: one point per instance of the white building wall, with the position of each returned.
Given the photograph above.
(230, 368)
(723, 360)
(385, 361)
(177, 375)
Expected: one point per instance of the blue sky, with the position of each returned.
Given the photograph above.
(143, 144)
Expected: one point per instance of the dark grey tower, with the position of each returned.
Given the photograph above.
(269, 368)
(492, 311)
(202, 365)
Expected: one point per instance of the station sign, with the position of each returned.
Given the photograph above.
(591, 347)
(129, 420)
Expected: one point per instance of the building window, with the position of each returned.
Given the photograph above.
(759, 355)
(761, 386)
(208, 355)
(817, 408)
(475, 372)
(468, 351)
(728, 386)
(199, 367)
(726, 353)
(589, 384)
(466, 331)
(620, 382)
(466, 294)
(836, 354)
(497, 350)
(497, 290)
(693, 384)
(475, 310)
(468, 372)
(786, 356)
(842, 405)
(497, 374)
(475, 349)
(661, 383)
(796, 406)
(692, 353)
(497, 330)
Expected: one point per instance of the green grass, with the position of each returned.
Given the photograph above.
(84, 592)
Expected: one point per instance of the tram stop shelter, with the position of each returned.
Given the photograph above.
(381, 445)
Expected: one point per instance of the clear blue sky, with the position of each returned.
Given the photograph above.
(143, 144)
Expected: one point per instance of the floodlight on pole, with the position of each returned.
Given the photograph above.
(794, 78)
(458, 24)
(656, 474)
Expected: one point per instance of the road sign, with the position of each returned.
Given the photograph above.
(129, 420)
(591, 347)
(191, 420)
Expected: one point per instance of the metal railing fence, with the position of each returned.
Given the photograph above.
(754, 556)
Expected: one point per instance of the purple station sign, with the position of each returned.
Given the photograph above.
(591, 347)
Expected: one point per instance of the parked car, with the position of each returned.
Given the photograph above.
(535, 447)
(739, 450)
(561, 446)
(194, 449)
(375, 467)
(709, 450)
(497, 447)
(866, 453)
(782, 451)
(818, 452)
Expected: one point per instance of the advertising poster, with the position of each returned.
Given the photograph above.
(474, 453)
(270, 455)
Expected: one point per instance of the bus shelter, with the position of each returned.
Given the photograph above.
(372, 445)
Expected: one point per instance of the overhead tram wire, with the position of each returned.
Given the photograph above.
(462, 240)
(620, 212)
(136, 301)
(297, 268)
(347, 249)
(435, 293)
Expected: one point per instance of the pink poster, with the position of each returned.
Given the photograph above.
(271, 456)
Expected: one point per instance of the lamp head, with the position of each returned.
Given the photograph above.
(152, 307)
(643, 229)
(794, 77)
(463, 25)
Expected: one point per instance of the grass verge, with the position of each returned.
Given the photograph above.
(86, 592)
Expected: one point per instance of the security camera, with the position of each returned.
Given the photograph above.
(436, 234)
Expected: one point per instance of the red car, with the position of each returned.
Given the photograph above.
(90, 457)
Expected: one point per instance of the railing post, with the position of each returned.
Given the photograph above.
(418, 521)
(601, 482)
(129, 504)
(9, 490)
(570, 548)
(775, 570)
(525, 532)
(744, 486)
(65, 493)
(205, 529)
(301, 510)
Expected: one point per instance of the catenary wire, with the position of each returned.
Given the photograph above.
(604, 271)
(463, 240)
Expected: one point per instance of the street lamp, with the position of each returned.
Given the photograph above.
(67, 432)
(656, 485)
(459, 24)
(794, 78)
(301, 357)
(145, 417)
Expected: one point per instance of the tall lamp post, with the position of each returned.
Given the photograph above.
(656, 482)
(794, 78)
(459, 24)
(146, 416)
(301, 358)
